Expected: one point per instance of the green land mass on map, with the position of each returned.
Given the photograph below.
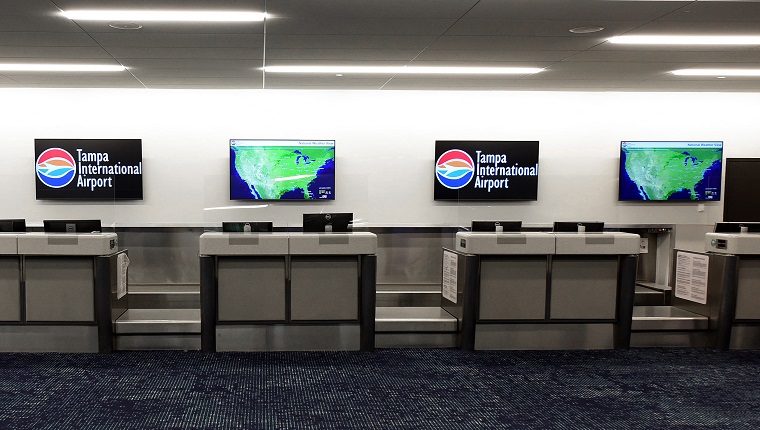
(661, 173)
(273, 172)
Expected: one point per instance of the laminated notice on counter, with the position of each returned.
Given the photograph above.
(449, 286)
(691, 276)
(122, 264)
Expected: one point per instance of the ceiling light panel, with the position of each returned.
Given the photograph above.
(405, 70)
(60, 68)
(686, 40)
(164, 15)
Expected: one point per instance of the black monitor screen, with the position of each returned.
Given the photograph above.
(742, 190)
(13, 225)
(72, 226)
(574, 226)
(252, 226)
(282, 169)
(670, 171)
(88, 169)
(485, 170)
(334, 222)
(496, 225)
(736, 227)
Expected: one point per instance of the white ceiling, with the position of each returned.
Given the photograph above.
(524, 33)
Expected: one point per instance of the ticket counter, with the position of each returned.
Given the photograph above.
(287, 291)
(60, 292)
(546, 290)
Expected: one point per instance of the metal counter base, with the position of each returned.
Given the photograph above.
(49, 338)
(281, 337)
(745, 336)
(544, 336)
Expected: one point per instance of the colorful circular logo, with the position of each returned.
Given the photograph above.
(454, 169)
(56, 167)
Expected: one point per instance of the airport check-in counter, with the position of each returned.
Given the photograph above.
(60, 292)
(733, 290)
(287, 291)
(545, 290)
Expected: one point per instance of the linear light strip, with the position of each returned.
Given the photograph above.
(686, 40)
(60, 68)
(167, 15)
(404, 70)
(717, 72)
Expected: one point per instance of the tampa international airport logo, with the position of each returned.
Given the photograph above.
(56, 168)
(454, 169)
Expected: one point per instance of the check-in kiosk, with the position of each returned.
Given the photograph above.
(66, 295)
(538, 290)
(287, 291)
(732, 294)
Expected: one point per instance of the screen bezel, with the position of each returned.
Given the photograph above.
(17, 225)
(81, 225)
(490, 226)
(621, 170)
(239, 226)
(316, 222)
(231, 169)
(572, 226)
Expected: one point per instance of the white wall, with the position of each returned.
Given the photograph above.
(384, 149)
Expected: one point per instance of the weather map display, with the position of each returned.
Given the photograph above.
(282, 169)
(670, 171)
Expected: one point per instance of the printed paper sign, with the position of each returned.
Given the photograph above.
(449, 287)
(691, 276)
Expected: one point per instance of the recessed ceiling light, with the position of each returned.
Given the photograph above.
(686, 40)
(717, 72)
(60, 68)
(125, 25)
(585, 30)
(404, 70)
(166, 15)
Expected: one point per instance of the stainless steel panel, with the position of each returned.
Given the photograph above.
(341, 337)
(748, 289)
(157, 321)
(48, 338)
(513, 288)
(60, 289)
(666, 318)
(164, 297)
(408, 256)
(408, 298)
(162, 255)
(583, 288)
(544, 336)
(659, 339)
(251, 289)
(414, 319)
(745, 337)
(416, 340)
(10, 289)
(324, 288)
(183, 342)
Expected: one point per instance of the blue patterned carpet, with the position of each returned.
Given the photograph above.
(385, 389)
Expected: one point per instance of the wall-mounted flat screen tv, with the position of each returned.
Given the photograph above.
(486, 170)
(88, 169)
(742, 190)
(670, 171)
(282, 169)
